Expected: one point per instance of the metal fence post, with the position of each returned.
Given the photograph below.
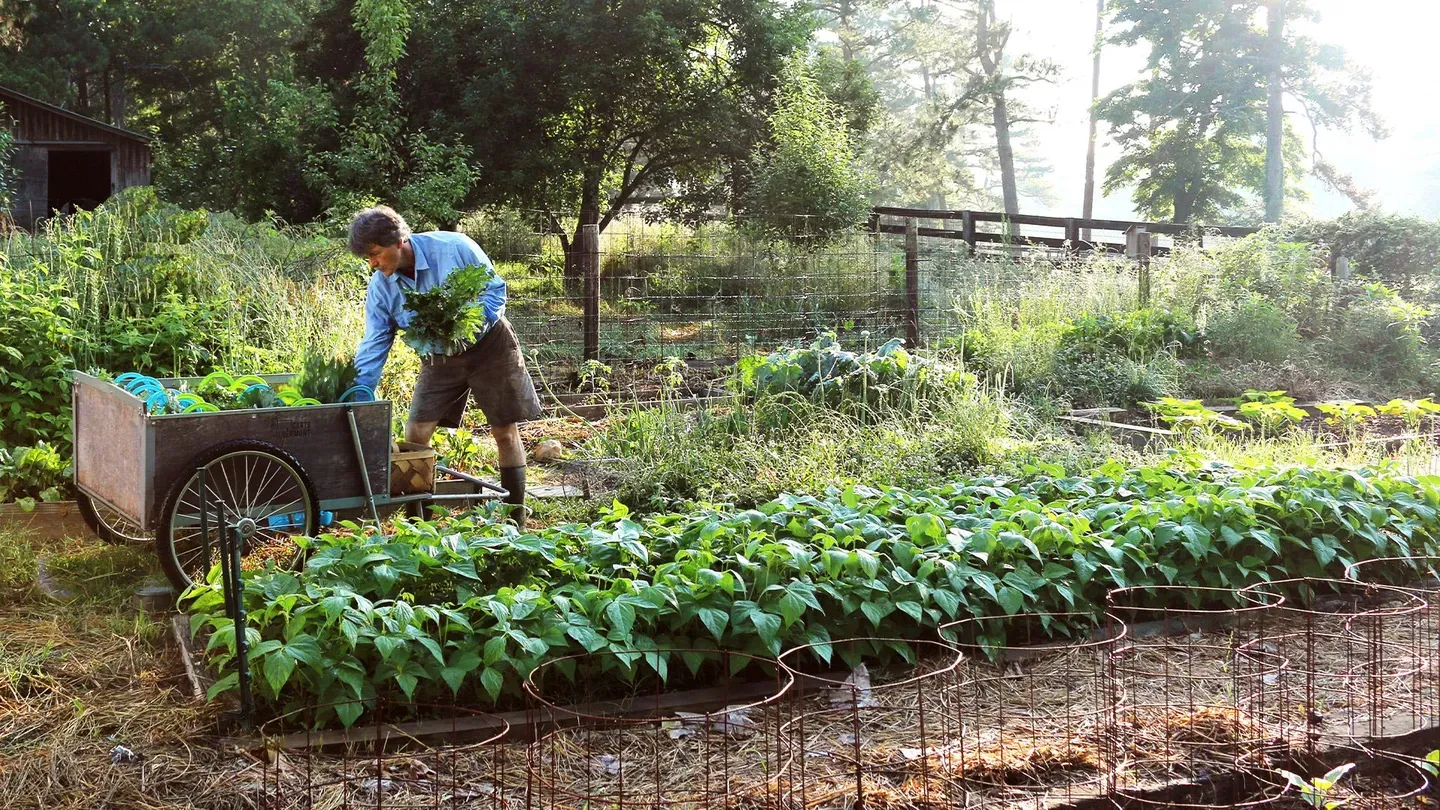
(912, 281)
(1137, 247)
(590, 253)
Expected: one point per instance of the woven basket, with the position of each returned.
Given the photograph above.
(412, 469)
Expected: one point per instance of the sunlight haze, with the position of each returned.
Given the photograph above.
(1393, 39)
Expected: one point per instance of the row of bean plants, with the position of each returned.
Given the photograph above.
(470, 607)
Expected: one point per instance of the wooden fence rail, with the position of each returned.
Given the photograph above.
(1068, 239)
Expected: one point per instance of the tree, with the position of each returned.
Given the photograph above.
(805, 180)
(572, 108)
(1089, 201)
(377, 159)
(1193, 131)
(82, 54)
(1001, 76)
(235, 119)
(1331, 93)
(1275, 111)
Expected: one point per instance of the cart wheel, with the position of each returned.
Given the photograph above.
(256, 481)
(108, 525)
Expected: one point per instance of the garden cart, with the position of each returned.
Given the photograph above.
(274, 473)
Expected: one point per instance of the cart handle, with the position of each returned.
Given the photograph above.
(498, 490)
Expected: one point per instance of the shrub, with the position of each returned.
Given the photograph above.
(38, 342)
(33, 473)
(782, 443)
(1378, 332)
(140, 285)
(1291, 275)
(1086, 378)
(1401, 251)
(827, 374)
(1137, 334)
(1253, 330)
(505, 234)
(807, 180)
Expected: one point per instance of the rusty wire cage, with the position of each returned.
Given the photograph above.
(1419, 576)
(608, 730)
(1035, 711)
(455, 759)
(868, 736)
(1182, 697)
(1352, 654)
(1188, 705)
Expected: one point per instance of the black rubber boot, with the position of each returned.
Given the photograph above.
(513, 480)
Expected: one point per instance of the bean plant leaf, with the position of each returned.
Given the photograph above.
(494, 681)
(1011, 600)
(278, 667)
(715, 621)
(224, 684)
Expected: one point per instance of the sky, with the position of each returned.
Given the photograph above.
(1396, 40)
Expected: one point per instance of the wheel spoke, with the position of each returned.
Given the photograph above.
(247, 483)
(275, 470)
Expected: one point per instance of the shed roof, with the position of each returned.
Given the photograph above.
(6, 94)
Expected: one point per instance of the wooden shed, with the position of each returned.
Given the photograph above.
(65, 161)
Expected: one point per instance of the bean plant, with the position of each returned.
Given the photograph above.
(469, 608)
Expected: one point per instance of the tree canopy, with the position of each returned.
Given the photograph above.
(1192, 129)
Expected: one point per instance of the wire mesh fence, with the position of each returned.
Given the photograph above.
(1180, 697)
(722, 289)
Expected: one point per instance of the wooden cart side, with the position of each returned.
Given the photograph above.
(317, 436)
(114, 448)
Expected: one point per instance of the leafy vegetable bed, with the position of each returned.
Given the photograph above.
(472, 607)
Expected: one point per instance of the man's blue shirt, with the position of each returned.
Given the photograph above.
(437, 255)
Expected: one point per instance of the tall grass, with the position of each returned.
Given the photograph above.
(1011, 324)
(751, 452)
(263, 295)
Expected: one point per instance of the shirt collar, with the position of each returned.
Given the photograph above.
(421, 262)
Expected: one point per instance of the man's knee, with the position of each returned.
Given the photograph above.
(420, 432)
(508, 445)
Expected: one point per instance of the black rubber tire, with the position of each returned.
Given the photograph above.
(170, 562)
(104, 529)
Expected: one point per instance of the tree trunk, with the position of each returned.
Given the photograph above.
(1184, 205)
(1089, 201)
(118, 99)
(991, 57)
(82, 93)
(589, 215)
(1007, 155)
(1274, 139)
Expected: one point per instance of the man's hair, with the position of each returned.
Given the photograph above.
(376, 226)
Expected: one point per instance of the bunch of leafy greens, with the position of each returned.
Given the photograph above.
(447, 316)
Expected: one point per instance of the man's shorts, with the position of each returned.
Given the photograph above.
(493, 371)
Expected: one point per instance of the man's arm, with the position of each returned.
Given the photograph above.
(374, 348)
(495, 295)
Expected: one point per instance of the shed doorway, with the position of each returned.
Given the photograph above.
(78, 179)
